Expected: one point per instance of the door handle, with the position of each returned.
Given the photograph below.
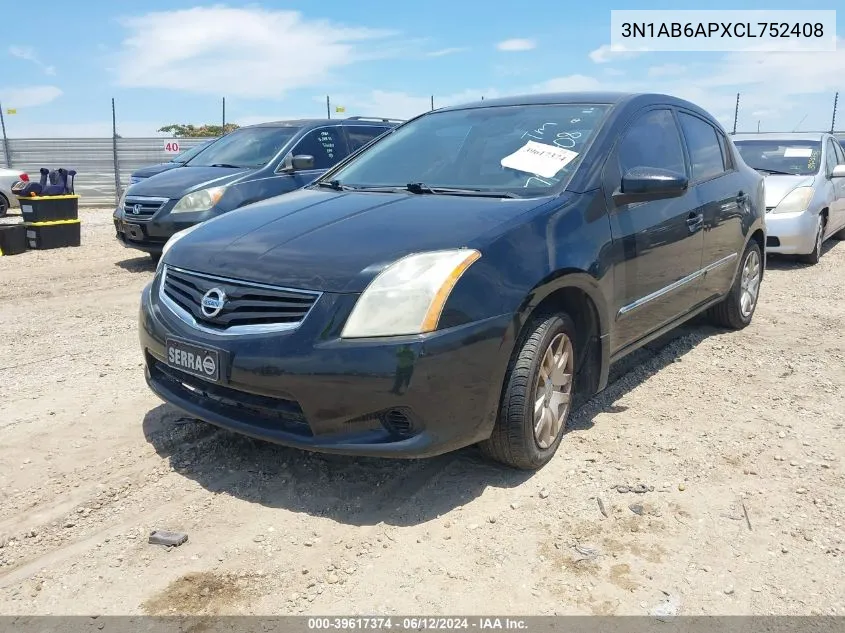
(694, 221)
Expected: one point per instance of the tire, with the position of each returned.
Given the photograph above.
(514, 441)
(4, 206)
(732, 312)
(814, 257)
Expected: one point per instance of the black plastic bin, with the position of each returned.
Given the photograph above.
(45, 235)
(49, 208)
(12, 239)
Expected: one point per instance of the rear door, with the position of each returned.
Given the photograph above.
(659, 243)
(717, 190)
(359, 135)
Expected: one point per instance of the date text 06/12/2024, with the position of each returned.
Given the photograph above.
(416, 624)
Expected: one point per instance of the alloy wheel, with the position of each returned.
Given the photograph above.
(553, 394)
(750, 283)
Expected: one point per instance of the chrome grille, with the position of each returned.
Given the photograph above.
(248, 306)
(141, 207)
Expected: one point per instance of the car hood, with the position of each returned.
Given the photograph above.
(175, 183)
(152, 170)
(777, 187)
(336, 242)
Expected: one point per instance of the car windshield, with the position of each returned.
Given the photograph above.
(188, 154)
(246, 147)
(524, 150)
(799, 158)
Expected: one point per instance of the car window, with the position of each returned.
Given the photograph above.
(246, 147)
(831, 160)
(360, 135)
(652, 141)
(526, 150)
(704, 148)
(840, 154)
(798, 157)
(727, 154)
(324, 144)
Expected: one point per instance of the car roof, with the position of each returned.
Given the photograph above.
(633, 99)
(313, 122)
(780, 136)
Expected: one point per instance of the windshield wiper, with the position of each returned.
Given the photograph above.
(422, 188)
(225, 165)
(334, 184)
(774, 171)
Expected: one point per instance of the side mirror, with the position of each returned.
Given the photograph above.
(302, 162)
(642, 184)
(838, 172)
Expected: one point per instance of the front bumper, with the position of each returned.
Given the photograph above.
(791, 233)
(309, 389)
(150, 235)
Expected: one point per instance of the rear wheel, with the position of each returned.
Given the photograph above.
(538, 394)
(816, 254)
(737, 309)
(4, 205)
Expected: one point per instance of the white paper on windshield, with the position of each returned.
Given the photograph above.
(540, 159)
(797, 152)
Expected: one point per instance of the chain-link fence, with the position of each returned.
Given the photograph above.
(101, 163)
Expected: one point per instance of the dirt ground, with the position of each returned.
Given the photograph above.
(736, 436)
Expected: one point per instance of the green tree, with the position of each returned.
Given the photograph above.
(187, 130)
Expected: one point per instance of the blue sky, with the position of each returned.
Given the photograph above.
(169, 61)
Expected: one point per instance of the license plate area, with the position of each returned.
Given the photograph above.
(133, 232)
(196, 360)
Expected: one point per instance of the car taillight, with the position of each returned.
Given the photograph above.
(24, 177)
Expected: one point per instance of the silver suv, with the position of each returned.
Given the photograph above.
(805, 189)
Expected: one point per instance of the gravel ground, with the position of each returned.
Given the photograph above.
(737, 438)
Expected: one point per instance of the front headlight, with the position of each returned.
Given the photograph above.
(408, 296)
(795, 201)
(122, 202)
(201, 200)
(173, 239)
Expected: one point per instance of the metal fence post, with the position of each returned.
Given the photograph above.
(117, 190)
(6, 152)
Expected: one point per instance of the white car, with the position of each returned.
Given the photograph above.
(8, 177)
(805, 189)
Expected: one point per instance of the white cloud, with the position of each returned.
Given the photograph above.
(273, 52)
(614, 72)
(28, 53)
(446, 51)
(570, 83)
(666, 69)
(516, 44)
(607, 53)
(28, 96)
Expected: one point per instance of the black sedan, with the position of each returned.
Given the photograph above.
(462, 280)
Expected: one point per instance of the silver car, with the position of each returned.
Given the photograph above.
(805, 189)
(9, 177)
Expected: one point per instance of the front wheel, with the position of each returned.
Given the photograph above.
(816, 254)
(4, 206)
(737, 309)
(538, 394)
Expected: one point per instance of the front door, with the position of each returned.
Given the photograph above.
(836, 217)
(658, 244)
(328, 147)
